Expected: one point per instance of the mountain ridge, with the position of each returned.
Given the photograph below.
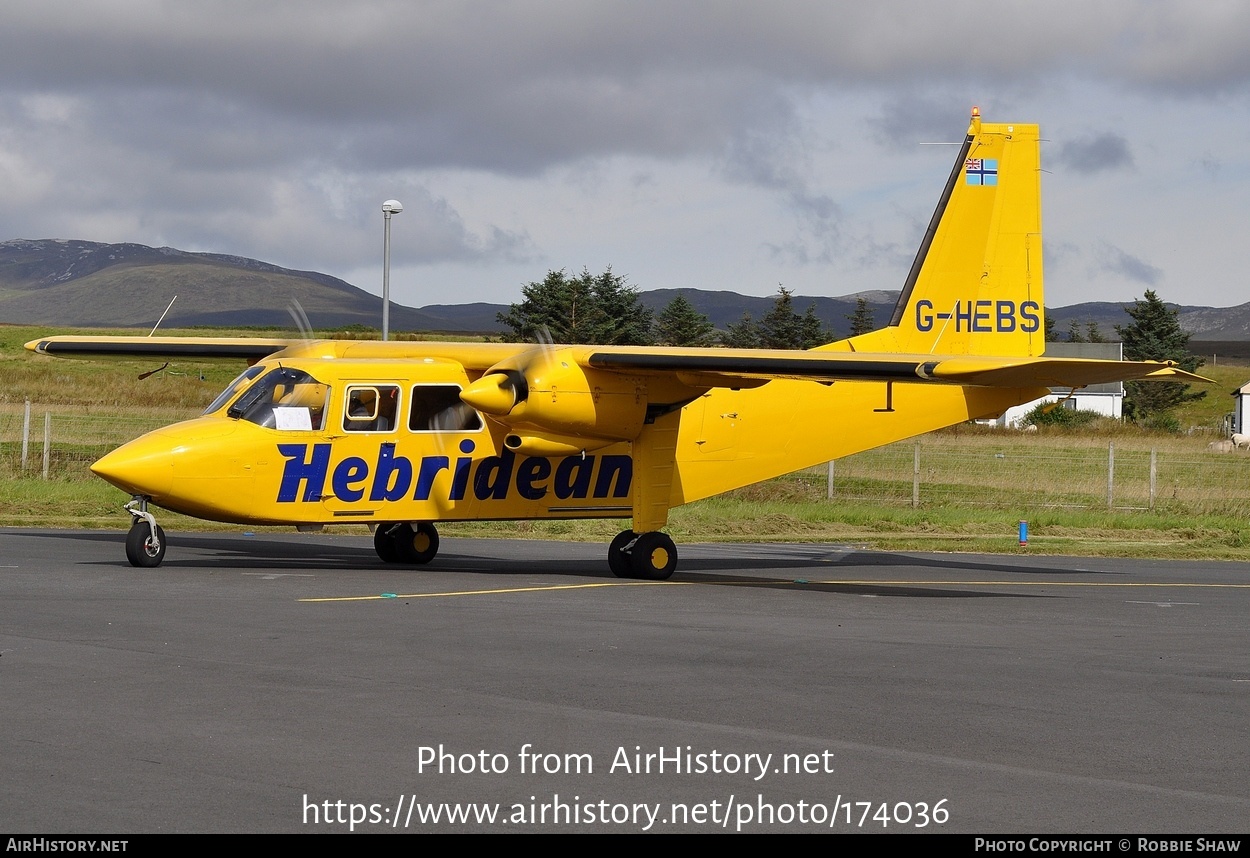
(78, 283)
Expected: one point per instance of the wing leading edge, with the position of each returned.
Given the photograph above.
(246, 348)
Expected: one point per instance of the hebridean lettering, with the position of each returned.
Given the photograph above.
(394, 477)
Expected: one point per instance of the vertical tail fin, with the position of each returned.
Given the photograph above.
(975, 286)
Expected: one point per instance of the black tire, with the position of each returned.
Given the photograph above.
(384, 542)
(416, 544)
(654, 556)
(140, 550)
(618, 560)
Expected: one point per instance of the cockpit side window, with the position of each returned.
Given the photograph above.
(285, 398)
(437, 408)
(371, 408)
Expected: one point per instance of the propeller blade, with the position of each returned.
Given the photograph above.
(151, 372)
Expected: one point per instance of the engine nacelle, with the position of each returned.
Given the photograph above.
(551, 392)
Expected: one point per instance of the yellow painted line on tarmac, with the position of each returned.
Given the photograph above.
(548, 588)
(540, 589)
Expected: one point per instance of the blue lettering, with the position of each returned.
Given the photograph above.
(531, 471)
(1030, 316)
(981, 320)
(430, 466)
(983, 316)
(493, 475)
(924, 316)
(312, 473)
(305, 473)
(350, 471)
(1006, 316)
(965, 317)
(621, 467)
(460, 482)
(390, 465)
(573, 477)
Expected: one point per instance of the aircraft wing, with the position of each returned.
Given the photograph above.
(249, 348)
(698, 367)
(750, 367)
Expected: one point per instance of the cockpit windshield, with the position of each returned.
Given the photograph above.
(284, 398)
(235, 386)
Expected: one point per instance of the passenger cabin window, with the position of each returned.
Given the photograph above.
(437, 408)
(283, 398)
(371, 408)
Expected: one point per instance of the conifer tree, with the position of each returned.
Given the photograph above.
(1155, 334)
(596, 309)
(680, 324)
(743, 334)
(782, 328)
(861, 320)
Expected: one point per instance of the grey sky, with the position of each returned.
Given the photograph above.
(717, 145)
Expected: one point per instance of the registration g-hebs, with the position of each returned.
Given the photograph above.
(982, 317)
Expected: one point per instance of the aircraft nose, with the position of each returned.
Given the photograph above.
(145, 466)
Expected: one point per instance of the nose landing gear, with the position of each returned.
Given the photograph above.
(145, 543)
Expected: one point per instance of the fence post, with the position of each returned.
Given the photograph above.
(1154, 473)
(47, 440)
(915, 479)
(829, 486)
(25, 432)
(1111, 475)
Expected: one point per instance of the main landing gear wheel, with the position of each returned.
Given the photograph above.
(618, 560)
(404, 543)
(145, 544)
(651, 556)
(384, 543)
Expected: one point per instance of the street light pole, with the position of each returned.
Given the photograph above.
(389, 208)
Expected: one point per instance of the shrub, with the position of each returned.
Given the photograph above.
(1054, 414)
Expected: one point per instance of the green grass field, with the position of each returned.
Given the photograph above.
(976, 484)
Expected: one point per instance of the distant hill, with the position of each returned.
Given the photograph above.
(1202, 323)
(89, 284)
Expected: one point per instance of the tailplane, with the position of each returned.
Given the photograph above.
(975, 286)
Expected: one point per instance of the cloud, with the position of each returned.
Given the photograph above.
(778, 158)
(1115, 260)
(518, 87)
(915, 118)
(276, 129)
(1096, 154)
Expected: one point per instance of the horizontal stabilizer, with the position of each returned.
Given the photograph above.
(731, 368)
(1055, 372)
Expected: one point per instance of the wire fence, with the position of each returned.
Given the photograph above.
(1002, 470)
(60, 443)
(1105, 474)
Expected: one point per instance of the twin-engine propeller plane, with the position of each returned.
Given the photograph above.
(400, 435)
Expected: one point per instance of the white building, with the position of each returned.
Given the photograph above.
(1241, 417)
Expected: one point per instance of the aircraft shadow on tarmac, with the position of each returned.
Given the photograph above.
(808, 562)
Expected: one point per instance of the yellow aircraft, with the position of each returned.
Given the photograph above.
(400, 435)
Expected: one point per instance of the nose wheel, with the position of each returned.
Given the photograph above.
(651, 556)
(145, 543)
